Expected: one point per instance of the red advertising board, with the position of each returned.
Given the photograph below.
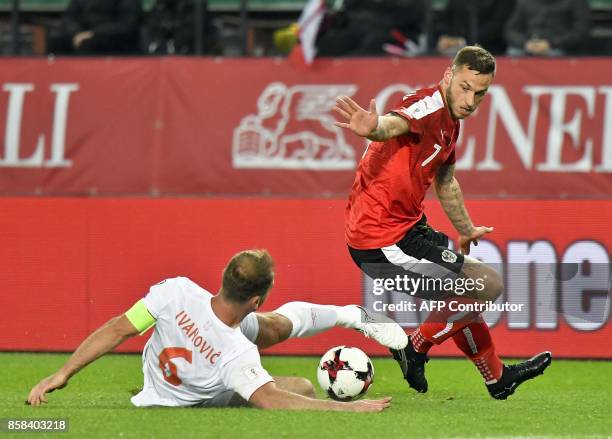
(69, 264)
(262, 127)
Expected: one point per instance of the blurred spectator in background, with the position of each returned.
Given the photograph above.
(362, 27)
(98, 26)
(548, 27)
(171, 28)
(483, 21)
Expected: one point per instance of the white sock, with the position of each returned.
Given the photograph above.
(309, 318)
(349, 316)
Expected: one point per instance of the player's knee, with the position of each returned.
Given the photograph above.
(280, 326)
(489, 284)
(494, 286)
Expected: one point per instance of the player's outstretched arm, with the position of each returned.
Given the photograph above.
(367, 123)
(451, 198)
(103, 340)
(270, 397)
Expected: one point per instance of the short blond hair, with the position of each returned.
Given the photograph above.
(475, 58)
(248, 274)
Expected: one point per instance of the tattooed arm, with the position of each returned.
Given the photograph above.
(389, 126)
(451, 198)
(367, 123)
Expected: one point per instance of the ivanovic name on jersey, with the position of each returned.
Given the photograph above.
(190, 327)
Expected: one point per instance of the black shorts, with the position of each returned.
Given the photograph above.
(422, 252)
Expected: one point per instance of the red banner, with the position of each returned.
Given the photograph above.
(68, 265)
(263, 127)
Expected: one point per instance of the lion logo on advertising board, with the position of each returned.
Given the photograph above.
(294, 129)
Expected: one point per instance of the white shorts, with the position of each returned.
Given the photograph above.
(228, 398)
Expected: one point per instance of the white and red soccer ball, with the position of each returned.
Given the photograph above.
(345, 373)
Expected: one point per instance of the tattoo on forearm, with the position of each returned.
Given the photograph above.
(388, 126)
(451, 199)
(380, 133)
(445, 174)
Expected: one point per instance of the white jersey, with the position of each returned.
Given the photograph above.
(192, 356)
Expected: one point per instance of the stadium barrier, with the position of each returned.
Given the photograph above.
(69, 264)
(104, 126)
(260, 128)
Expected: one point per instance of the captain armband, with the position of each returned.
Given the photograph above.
(140, 317)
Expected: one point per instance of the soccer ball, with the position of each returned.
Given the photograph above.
(345, 373)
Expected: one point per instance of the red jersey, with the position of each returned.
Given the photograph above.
(393, 176)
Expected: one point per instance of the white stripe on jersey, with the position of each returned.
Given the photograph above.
(425, 106)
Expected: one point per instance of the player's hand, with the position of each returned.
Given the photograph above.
(537, 46)
(48, 385)
(78, 39)
(446, 42)
(477, 233)
(358, 120)
(370, 405)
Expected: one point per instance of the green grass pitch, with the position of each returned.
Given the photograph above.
(572, 399)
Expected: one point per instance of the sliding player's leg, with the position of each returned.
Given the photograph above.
(303, 319)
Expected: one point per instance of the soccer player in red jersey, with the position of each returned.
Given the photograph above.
(387, 233)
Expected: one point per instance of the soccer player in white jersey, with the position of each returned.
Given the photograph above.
(201, 352)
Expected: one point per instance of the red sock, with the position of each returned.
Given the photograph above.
(419, 343)
(442, 324)
(475, 342)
